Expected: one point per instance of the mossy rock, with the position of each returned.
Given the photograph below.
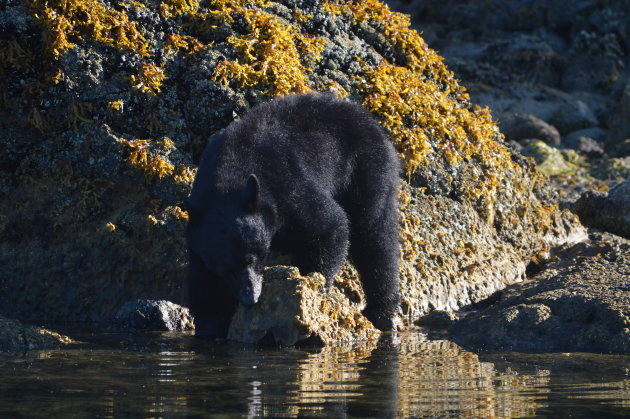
(102, 133)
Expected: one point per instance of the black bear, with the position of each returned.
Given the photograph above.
(311, 176)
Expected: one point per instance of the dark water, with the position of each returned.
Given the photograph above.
(174, 375)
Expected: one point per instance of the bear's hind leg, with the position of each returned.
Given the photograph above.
(375, 252)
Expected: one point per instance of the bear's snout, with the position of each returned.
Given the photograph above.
(251, 286)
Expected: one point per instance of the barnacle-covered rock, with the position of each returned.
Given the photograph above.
(578, 304)
(106, 107)
(295, 308)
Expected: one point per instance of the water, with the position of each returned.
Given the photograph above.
(175, 375)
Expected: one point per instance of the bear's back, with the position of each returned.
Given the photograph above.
(298, 141)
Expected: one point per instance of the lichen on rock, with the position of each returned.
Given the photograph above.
(297, 309)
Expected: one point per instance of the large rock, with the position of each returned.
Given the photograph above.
(609, 212)
(518, 127)
(578, 304)
(297, 309)
(101, 135)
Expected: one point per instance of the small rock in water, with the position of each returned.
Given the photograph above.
(16, 336)
(155, 315)
(295, 308)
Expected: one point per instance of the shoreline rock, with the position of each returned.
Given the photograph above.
(16, 336)
(580, 303)
(151, 315)
(295, 309)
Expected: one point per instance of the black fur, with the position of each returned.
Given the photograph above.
(307, 175)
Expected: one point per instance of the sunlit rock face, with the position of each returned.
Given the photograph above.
(102, 133)
(299, 309)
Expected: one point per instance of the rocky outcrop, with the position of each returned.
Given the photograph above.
(102, 133)
(564, 62)
(580, 303)
(16, 336)
(295, 309)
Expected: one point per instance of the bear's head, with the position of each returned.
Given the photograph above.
(229, 233)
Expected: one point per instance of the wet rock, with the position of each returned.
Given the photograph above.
(16, 336)
(609, 212)
(151, 315)
(519, 127)
(583, 143)
(297, 309)
(581, 303)
(438, 319)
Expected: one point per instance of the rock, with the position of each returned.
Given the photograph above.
(525, 55)
(623, 148)
(445, 267)
(619, 124)
(614, 168)
(151, 315)
(297, 309)
(519, 127)
(16, 336)
(102, 134)
(572, 116)
(438, 319)
(608, 212)
(551, 160)
(581, 303)
(596, 133)
(583, 142)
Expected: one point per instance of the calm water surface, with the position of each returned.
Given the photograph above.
(174, 375)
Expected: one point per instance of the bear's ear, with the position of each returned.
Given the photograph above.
(252, 193)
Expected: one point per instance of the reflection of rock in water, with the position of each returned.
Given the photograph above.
(437, 377)
(410, 378)
(326, 381)
(615, 394)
